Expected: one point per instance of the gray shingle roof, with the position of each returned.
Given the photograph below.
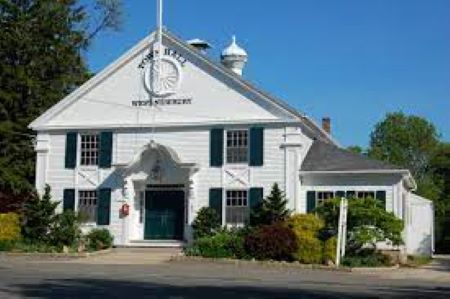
(324, 156)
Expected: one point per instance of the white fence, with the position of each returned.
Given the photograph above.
(419, 226)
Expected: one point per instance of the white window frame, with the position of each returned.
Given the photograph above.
(226, 146)
(325, 196)
(79, 150)
(89, 222)
(225, 207)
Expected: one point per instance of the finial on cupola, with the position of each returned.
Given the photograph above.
(234, 57)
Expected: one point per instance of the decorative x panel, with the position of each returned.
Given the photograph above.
(237, 177)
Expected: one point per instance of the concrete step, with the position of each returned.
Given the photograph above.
(154, 244)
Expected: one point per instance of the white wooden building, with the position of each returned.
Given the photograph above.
(171, 135)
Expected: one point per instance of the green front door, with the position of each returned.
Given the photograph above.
(164, 215)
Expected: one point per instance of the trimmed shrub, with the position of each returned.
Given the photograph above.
(303, 223)
(366, 258)
(65, 229)
(329, 250)
(206, 223)
(98, 239)
(309, 249)
(9, 227)
(224, 244)
(272, 242)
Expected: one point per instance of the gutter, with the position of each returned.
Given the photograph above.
(407, 177)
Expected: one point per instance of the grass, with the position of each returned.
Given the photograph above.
(418, 260)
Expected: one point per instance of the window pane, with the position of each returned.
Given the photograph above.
(87, 205)
(237, 149)
(89, 149)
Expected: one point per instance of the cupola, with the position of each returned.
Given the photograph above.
(234, 57)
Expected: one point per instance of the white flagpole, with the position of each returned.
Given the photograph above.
(159, 22)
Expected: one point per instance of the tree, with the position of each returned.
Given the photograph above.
(356, 149)
(41, 46)
(39, 216)
(206, 223)
(272, 209)
(367, 222)
(407, 141)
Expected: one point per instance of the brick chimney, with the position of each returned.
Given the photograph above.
(326, 124)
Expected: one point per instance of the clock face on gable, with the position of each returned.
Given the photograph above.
(162, 76)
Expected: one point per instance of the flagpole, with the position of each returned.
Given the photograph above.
(159, 23)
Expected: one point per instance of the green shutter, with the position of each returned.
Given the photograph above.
(256, 146)
(71, 150)
(216, 147)
(106, 140)
(215, 201)
(255, 197)
(310, 201)
(69, 200)
(340, 194)
(104, 206)
(381, 197)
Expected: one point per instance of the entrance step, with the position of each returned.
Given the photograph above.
(155, 244)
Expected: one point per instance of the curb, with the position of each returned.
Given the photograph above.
(270, 264)
(56, 254)
(276, 264)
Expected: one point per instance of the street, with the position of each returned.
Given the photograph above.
(29, 278)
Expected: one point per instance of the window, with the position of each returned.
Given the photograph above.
(365, 194)
(322, 196)
(237, 146)
(87, 205)
(89, 149)
(237, 211)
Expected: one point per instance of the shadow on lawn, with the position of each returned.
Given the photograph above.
(101, 288)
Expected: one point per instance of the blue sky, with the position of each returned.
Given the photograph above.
(352, 60)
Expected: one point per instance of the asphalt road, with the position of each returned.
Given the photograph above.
(21, 278)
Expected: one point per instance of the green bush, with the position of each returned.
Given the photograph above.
(367, 222)
(65, 229)
(329, 250)
(98, 239)
(271, 210)
(224, 244)
(39, 214)
(366, 258)
(9, 227)
(272, 242)
(309, 249)
(301, 223)
(207, 223)
(6, 245)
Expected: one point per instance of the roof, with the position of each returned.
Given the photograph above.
(309, 127)
(323, 157)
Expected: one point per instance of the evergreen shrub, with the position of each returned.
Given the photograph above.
(223, 244)
(99, 239)
(66, 229)
(206, 223)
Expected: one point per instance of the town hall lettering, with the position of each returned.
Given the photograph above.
(169, 52)
(151, 102)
